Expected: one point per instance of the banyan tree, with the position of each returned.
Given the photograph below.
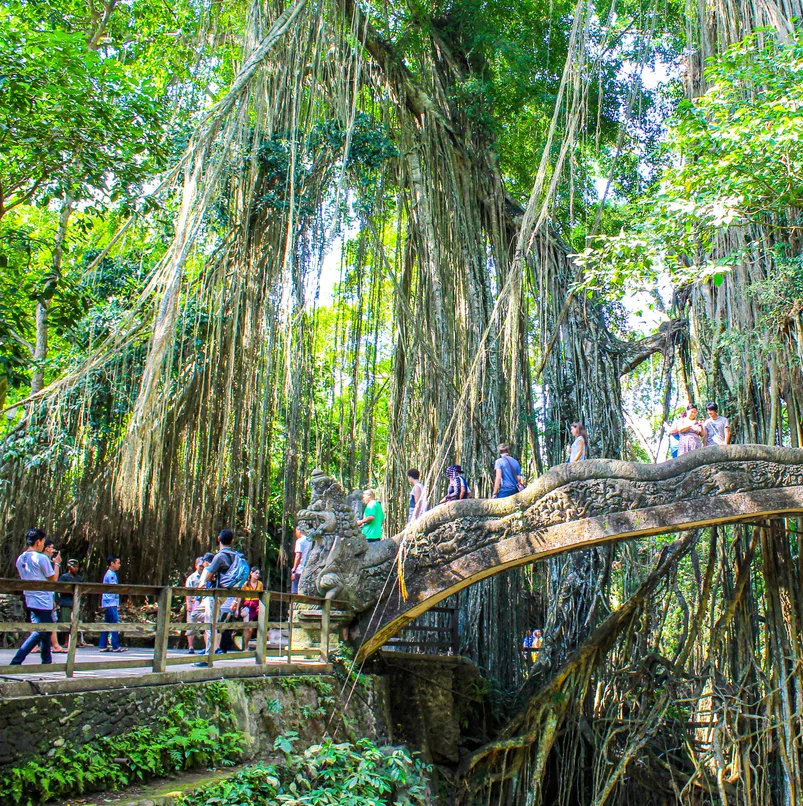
(366, 262)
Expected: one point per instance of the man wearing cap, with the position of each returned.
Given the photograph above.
(34, 565)
(717, 428)
(71, 577)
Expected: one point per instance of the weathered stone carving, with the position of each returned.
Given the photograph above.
(556, 499)
(342, 564)
(576, 506)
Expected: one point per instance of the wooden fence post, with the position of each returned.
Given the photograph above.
(75, 619)
(289, 631)
(210, 652)
(262, 618)
(327, 607)
(162, 629)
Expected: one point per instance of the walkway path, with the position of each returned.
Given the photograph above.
(32, 669)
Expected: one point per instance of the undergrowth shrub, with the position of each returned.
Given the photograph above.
(113, 762)
(327, 774)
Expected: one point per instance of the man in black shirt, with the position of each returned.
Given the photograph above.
(72, 577)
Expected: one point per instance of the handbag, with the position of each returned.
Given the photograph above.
(519, 485)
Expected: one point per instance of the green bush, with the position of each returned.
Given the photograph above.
(117, 761)
(328, 774)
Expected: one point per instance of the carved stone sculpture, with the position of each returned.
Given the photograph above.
(577, 506)
(342, 564)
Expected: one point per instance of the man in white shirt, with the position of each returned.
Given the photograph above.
(34, 564)
(717, 428)
(195, 613)
(300, 552)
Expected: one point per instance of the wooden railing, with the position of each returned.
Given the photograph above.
(429, 639)
(164, 626)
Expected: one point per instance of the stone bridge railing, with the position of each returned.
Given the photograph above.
(578, 506)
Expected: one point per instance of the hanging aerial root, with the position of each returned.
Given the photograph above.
(540, 720)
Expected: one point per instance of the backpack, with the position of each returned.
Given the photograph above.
(237, 574)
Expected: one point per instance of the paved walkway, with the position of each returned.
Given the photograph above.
(32, 669)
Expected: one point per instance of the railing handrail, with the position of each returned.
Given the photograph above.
(19, 585)
(164, 625)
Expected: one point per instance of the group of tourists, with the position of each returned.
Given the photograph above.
(531, 645)
(228, 568)
(41, 562)
(508, 480)
(687, 433)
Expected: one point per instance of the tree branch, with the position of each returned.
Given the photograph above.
(108, 8)
(17, 338)
(631, 354)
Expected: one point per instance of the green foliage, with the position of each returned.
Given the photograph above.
(119, 761)
(739, 159)
(327, 774)
(179, 740)
(69, 116)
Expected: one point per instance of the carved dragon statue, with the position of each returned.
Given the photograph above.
(572, 506)
(342, 564)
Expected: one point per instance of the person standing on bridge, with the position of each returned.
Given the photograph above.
(230, 569)
(458, 487)
(71, 577)
(301, 551)
(578, 452)
(33, 564)
(717, 427)
(110, 602)
(195, 611)
(372, 518)
(418, 496)
(691, 432)
(508, 480)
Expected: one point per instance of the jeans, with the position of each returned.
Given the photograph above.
(43, 638)
(226, 614)
(111, 616)
(506, 493)
(227, 636)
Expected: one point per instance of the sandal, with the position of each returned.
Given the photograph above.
(120, 649)
(106, 649)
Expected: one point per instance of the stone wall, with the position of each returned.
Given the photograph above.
(260, 707)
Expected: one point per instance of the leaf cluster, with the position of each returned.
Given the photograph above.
(737, 154)
(118, 761)
(71, 120)
(327, 774)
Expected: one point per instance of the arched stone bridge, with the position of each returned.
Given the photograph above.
(577, 506)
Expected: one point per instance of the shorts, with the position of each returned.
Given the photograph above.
(197, 616)
(65, 614)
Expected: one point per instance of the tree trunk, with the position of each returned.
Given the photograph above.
(44, 299)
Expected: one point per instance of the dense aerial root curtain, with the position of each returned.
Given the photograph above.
(655, 704)
(214, 353)
(662, 718)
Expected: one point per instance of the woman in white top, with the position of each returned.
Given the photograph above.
(579, 449)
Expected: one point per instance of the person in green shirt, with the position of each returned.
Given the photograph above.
(372, 518)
